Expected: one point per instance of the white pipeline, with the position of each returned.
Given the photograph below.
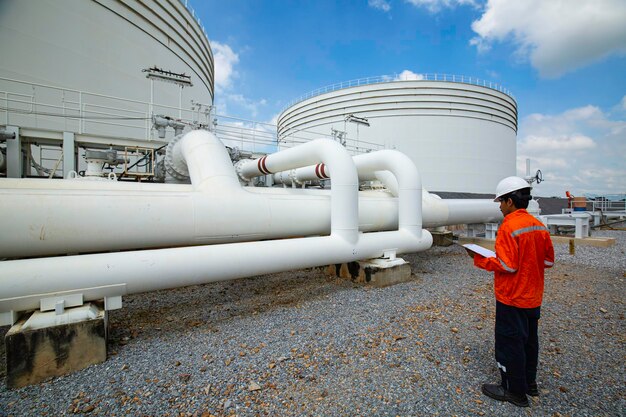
(24, 283)
(60, 217)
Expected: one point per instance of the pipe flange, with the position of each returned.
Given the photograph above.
(239, 169)
(175, 167)
(293, 177)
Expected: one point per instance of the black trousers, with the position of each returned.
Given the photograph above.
(517, 346)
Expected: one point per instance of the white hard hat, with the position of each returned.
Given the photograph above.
(510, 184)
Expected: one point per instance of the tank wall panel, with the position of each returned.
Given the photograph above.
(102, 46)
(461, 137)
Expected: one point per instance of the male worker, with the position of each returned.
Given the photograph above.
(523, 250)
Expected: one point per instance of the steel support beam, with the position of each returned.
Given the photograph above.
(14, 153)
(69, 153)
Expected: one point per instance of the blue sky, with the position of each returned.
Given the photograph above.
(563, 60)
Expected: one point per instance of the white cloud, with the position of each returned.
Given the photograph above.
(227, 99)
(380, 5)
(238, 104)
(407, 75)
(581, 150)
(493, 74)
(545, 162)
(556, 143)
(557, 36)
(435, 6)
(251, 106)
(225, 60)
(274, 119)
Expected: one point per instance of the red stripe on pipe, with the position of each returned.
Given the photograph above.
(266, 171)
(317, 171)
(258, 164)
(324, 175)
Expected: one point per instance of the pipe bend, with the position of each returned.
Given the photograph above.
(206, 159)
(409, 183)
(400, 165)
(345, 182)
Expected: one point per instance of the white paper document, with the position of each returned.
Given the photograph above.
(480, 250)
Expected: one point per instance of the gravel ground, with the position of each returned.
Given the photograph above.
(303, 344)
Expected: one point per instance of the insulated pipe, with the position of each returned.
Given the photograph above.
(25, 283)
(312, 174)
(344, 193)
(460, 211)
(368, 166)
(206, 160)
(315, 173)
(435, 211)
(63, 216)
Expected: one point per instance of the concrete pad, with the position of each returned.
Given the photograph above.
(375, 272)
(34, 355)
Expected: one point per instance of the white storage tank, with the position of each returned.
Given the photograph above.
(459, 131)
(90, 59)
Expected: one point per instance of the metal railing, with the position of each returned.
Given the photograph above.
(260, 137)
(74, 110)
(352, 145)
(604, 204)
(398, 77)
(34, 105)
(193, 15)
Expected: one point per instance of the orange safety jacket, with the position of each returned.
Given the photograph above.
(523, 250)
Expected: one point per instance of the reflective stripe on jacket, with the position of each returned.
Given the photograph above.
(523, 250)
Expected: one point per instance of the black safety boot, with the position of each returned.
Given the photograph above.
(533, 389)
(497, 392)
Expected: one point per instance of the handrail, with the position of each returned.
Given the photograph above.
(194, 17)
(89, 111)
(602, 203)
(398, 77)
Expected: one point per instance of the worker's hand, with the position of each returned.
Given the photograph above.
(470, 253)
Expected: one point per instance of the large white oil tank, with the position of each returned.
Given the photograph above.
(459, 131)
(91, 58)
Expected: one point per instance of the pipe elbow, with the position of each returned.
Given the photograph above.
(206, 159)
(337, 158)
(396, 162)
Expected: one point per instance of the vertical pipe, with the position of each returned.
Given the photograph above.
(81, 120)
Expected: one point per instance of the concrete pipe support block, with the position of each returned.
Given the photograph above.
(35, 353)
